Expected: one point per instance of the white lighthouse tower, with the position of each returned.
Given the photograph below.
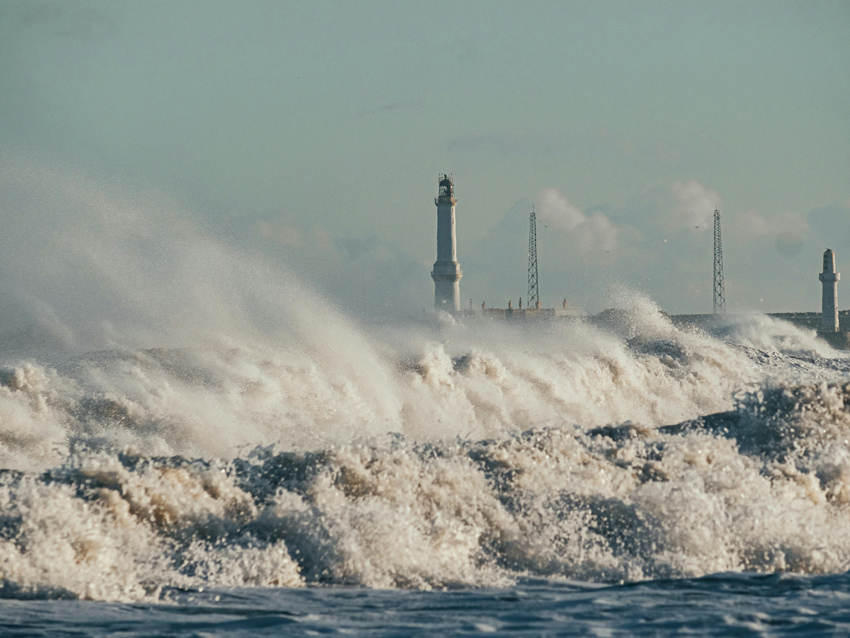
(446, 273)
(829, 311)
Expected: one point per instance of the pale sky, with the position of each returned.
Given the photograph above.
(313, 133)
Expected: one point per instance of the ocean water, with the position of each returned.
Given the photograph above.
(631, 479)
(193, 443)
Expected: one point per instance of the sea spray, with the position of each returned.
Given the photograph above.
(183, 416)
(487, 380)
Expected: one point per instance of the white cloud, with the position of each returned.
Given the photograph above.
(751, 225)
(695, 204)
(587, 233)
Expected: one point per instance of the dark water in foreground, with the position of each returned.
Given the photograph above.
(720, 605)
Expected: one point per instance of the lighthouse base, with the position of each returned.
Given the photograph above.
(446, 276)
(447, 295)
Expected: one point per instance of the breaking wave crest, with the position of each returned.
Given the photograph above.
(474, 380)
(467, 457)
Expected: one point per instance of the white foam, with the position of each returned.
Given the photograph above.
(147, 439)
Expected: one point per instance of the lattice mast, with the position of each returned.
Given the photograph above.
(719, 296)
(533, 290)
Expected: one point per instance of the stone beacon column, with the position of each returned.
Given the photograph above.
(829, 312)
(446, 273)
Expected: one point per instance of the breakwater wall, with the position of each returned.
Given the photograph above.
(807, 320)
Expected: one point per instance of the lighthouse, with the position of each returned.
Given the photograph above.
(446, 273)
(829, 309)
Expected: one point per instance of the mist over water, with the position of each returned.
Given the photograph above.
(178, 415)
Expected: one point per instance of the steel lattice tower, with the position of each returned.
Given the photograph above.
(533, 291)
(719, 298)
